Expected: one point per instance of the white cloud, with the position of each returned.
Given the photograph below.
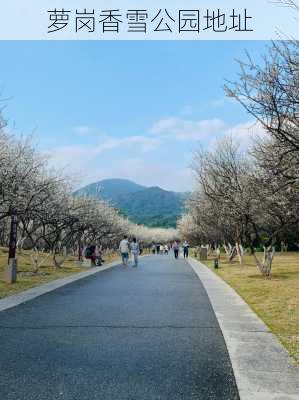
(73, 159)
(142, 143)
(78, 159)
(202, 130)
(83, 161)
(82, 164)
(147, 173)
(182, 129)
(139, 142)
(245, 132)
(82, 130)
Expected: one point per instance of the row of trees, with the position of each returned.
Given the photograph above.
(39, 212)
(251, 198)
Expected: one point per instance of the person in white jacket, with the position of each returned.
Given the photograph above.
(124, 249)
(135, 251)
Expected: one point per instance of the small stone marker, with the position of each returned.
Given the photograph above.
(86, 263)
(10, 273)
(78, 264)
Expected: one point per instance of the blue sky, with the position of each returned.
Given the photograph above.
(133, 110)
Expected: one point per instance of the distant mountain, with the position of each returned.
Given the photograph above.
(110, 189)
(151, 206)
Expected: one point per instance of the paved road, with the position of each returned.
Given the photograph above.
(123, 334)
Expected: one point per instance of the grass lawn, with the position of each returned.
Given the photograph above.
(275, 300)
(26, 279)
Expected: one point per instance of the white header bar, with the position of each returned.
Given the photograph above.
(147, 20)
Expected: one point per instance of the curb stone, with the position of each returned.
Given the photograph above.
(262, 367)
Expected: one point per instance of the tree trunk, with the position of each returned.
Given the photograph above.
(38, 259)
(20, 244)
(284, 247)
(208, 246)
(240, 252)
(79, 250)
(231, 252)
(265, 266)
(218, 253)
(58, 264)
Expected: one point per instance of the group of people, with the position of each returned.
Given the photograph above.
(185, 248)
(175, 246)
(94, 253)
(126, 247)
(160, 248)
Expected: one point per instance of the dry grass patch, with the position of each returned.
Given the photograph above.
(275, 300)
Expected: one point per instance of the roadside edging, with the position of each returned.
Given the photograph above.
(262, 367)
(30, 294)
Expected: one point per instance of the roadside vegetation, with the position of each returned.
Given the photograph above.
(274, 300)
(248, 197)
(28, 278)
(244, 210)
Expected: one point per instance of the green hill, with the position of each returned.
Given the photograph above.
(109, 189)
(151, 206)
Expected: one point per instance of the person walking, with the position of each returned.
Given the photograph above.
(154, 248)
(186, 249)
(158, 246)
(176, 249)
(97, 256)
(166, 249)
(124, 250)
(140, 248)
(135, 251)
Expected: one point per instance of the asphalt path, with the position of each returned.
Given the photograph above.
(146, 333)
